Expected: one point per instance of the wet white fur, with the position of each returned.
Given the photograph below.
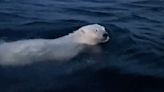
(63, 48)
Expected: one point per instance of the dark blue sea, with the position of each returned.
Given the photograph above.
(132, 61)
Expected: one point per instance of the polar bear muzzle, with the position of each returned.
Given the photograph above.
(105, 37)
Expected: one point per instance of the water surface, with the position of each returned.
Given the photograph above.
(133, 60)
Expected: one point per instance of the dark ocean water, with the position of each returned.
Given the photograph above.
(133, 60)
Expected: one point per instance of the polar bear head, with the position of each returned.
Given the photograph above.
(92, 34)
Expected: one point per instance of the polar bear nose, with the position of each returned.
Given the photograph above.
(105, 35)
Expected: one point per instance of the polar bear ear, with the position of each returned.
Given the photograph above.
(82, 31)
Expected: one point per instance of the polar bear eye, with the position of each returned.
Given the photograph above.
(96, 30)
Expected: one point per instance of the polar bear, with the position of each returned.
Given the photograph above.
(24, 52)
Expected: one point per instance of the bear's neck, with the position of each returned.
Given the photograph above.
(67, 45)
(70, 38)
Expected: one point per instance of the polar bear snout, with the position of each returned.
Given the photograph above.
(105, 37)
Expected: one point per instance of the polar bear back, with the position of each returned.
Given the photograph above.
(25, 51)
